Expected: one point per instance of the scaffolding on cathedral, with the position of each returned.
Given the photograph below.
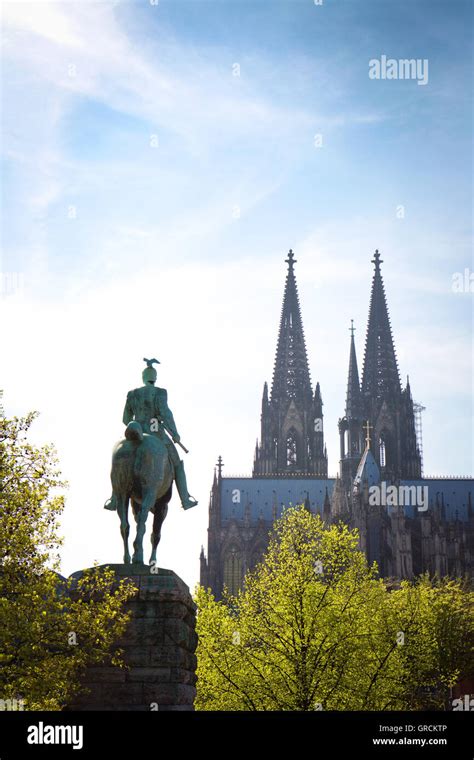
(418, 409)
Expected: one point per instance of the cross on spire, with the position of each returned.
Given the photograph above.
(377, 260)
(352, 329)
(291, 260)
(219, 466)
(367, 427)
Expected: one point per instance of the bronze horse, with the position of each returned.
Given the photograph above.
(141, 472)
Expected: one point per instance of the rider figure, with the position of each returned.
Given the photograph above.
(148, 406)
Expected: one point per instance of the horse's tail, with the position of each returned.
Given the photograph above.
(134, 432)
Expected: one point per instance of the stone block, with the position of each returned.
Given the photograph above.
(110, 673)
(158, 649)
(151, 675)
(169, 694)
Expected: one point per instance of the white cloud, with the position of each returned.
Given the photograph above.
(47, 20)
(82, 50)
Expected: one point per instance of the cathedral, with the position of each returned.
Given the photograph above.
(408, 524)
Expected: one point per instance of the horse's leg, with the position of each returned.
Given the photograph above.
(122, 509)
(161, 510)
(135, 508)
(147, 502)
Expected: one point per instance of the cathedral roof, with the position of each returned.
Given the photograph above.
(368, 470)
(261, 497)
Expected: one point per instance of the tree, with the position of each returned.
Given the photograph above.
(52, 628)
(316, 628)
(437, 615)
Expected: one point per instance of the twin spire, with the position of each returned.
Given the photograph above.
(291, 377)
(292, 436)
(380, 379)
(380, 398)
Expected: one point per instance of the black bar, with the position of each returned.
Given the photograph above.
(324, 734)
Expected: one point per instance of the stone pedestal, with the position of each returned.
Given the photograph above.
(158, 648)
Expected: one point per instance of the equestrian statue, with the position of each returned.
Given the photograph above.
(145, 464)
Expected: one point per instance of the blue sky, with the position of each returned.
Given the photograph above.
(150, 196)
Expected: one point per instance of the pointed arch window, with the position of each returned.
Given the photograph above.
(233, 570)
(291, 449)
(256, 556)
(382, 452)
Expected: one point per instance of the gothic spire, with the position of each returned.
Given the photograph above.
(291, 377)
(292, 435)
(326, 507)
(380, 378)
(317, 393)
(353, 397)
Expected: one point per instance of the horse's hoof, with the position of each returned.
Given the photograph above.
(137, 560)
(126, 559)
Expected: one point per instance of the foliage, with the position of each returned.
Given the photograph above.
(52, 628)
(316, 628)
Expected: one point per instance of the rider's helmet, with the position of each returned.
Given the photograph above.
(149, 373)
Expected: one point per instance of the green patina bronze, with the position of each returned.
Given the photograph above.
(146, 462)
